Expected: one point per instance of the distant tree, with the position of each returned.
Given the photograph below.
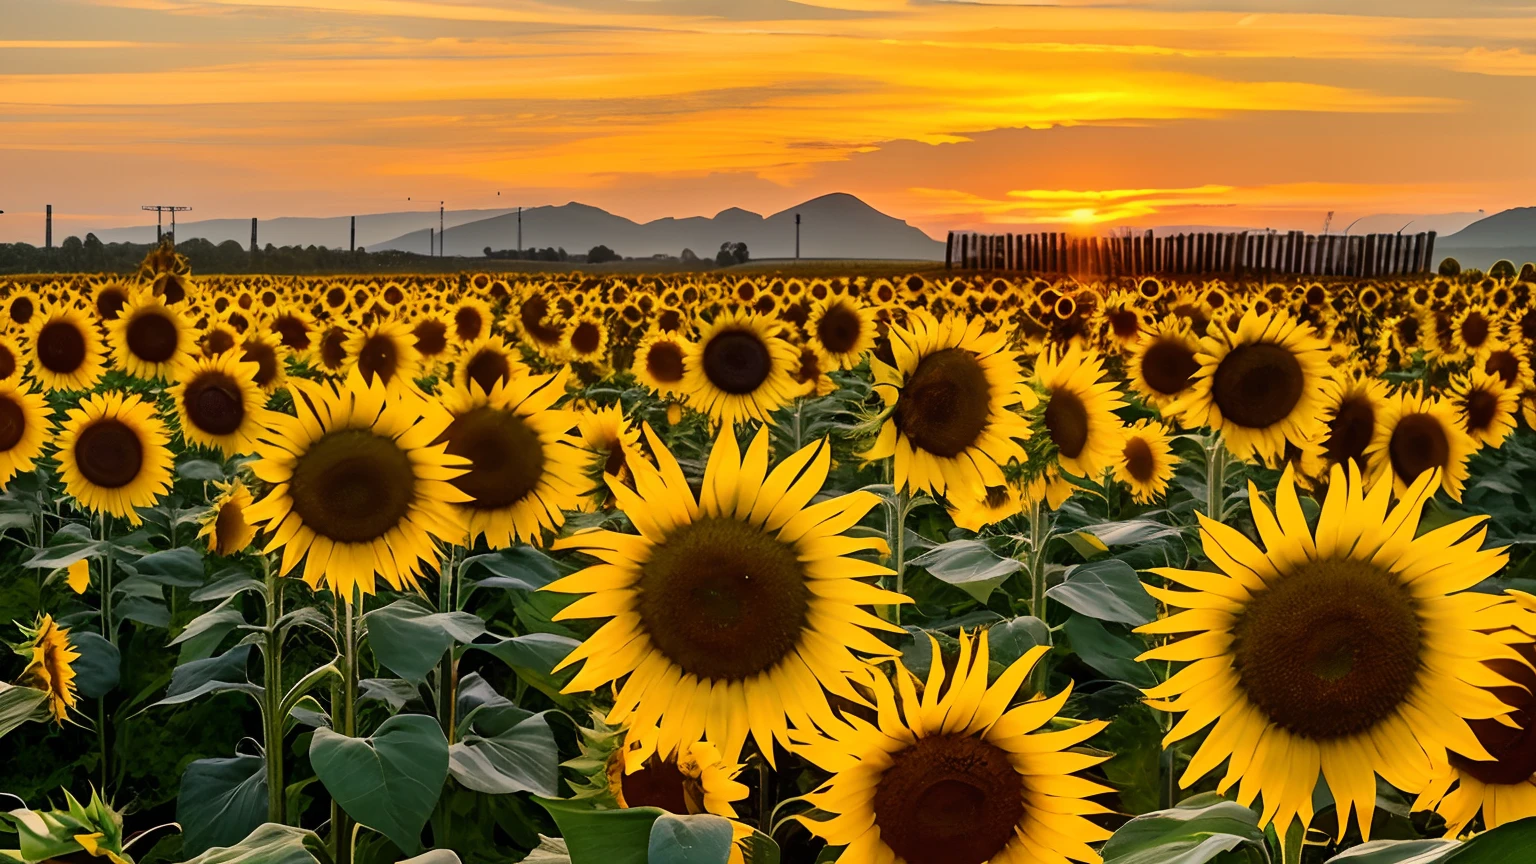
(602, 254)
(489, 253)
(689, 257)
(732, 253)
(1528, 272)
(1450, 268)
(1502, 269)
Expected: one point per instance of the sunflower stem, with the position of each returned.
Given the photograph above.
(110, 633)
(272, 684)
(447, 672)
(341, 823)
(1037, 540)
(1216, 479)
(896, 531)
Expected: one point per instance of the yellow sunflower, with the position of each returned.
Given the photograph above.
(114, 455)
(525, 470)
(149, 339)
(19, 309)
(430, 330)
(11, 361)
(50, 665)
(739, 370)
(1486, 407)
(471, 320)
(586, 340)
(612, 442)
(331, 349)
(65, 351)
(1078, 411)
(951, 398)
(217, 338)
(1163, 364)
(1353, 405)
(225, 525)
(359, 489)
(1146, 460)
(23, 428)
(991, 506)
(1416, 435)
(271, 358)
(1260, 385)
(730, 612)
(841, 331)
(693, 780)
(659, 362)
(954, 776)
(385, 352)
(294, 328)
(487, 362)
(1353, 650)
(219, 404)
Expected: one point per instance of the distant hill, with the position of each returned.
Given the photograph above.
(832, 226)
(329, 231)
(1510, 234)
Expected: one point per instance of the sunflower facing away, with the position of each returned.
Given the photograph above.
(359, 488)
(1353, 650)
(149, 339)
(740, 369)
(65, 351)
(524, 468)
(731, 612)
(1416, 435)
(219, 404)
(23, 428)
(951, 395)
(114, 455)
(954, 776)
(225, 526)
(50, 665)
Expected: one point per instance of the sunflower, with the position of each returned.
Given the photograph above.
(525, 471)
(225, 524)
(1352, 407)
(217, 338)
(20, 308)
(11, 361)
(385, 352)
(1418, 434)
(1353, 650)
(1163, 364)
(331, 349)
(731, 612)
(954, 776)
(586, 340)
(471, 320)
(149, 339)
(693, 780)
(50, 665)
(841, 331)
(65, 351)
(430, 331)
(1077, 411)
(659, 362)
(1486, 407)
(109, 300)
(612, 442)
(23, 428)
(950, 397)
(1146, 460)
(270, 357)
(219, 404)
(295, 329)
(359, 488)
(173, 288)
(114, 455)
(739, 370)
(991, 506)
(1260, 385)
(1474, 327)
(484, 363)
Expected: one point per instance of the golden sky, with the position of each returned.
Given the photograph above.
(1012, 113)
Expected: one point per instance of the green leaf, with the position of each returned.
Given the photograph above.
(409, 638)
(1194, 832)
(144, 610)
(181, 567)
(20, 704)
(391, 691)
(523, 758)
(99, 668)
(1396, 852)
(759, 848)
(1510, 843)
(200, 469)
(436, 856)
(1009, 640)
(537, 651)
(1108, 590)
(389, 782)
(603, 836)
(1110, 653)
(203, 634)
(701, 839)
(521, 568)
(269, 844)
(220, 674)
(1131, 532)
(551, 850)
(969, 565)
(72, 543)
(221, 801)
(227, 585)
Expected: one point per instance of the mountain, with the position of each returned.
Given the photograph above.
(1510, 234)
(832, 226)
(331, 231)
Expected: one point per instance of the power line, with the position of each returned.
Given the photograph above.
(160, 210)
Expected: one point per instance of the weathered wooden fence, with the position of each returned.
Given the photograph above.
(1242, 254)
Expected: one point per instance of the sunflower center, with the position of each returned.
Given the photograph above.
(945, 405)
(615, 463)
(1139, 461)
(217, 341)
(586, 337)
(505, 454)
(7, 362)
(292, 332)
(61, 347)
(665, 362)
(1066, 418)
(1350, 430)
(152, 337)
(353, 486)
(487, 368)
(1408, 331)
(109, 454)
(22, 309)
(13, 423)
(1330, 650)
(839, 329)
(948, 799)
(1418, 444)
(1482, 408)
(737, 361)
(1474, 330)
(333, 348)
(1169, 366)
(467, 322)
(228, 529)
(1124, 323)
(109, 303)
(659, 783)
(431, 337)
(1513, 750)
(265, 358)
(722, 599)
(1502, 363)
(378, 358)
(214, 403)
(1258, 385)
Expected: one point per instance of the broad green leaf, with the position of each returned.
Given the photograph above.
(523, 758)
(521, 568)
(969, 565)
(1396, 852)
(144, 610)
(72, 543)
(551, 850)
(200, 469)
(182, 567)
(99, 668)
(1108, 590)
(391, 691)
(203, 634)
(603, 836)
(219, 674)
(1009, 640)
(702, 839)
(389, 782)
(436, 856)
(409, 638)
(759, 848)
(1112, 654)
(540, 652)
(1130, 532)
(20, 704)
(1510, 843)
(227, 585)
(269, 844)
(1195, 832)
(221, 801)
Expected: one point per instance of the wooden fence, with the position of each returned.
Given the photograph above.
(1243, 254)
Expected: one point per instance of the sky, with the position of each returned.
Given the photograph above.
(1006, 115)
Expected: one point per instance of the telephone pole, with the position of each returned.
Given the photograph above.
(797, 236)
(519, 231)
(160, 210)
(441, 235)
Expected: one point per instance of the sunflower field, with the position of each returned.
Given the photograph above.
(706, 569)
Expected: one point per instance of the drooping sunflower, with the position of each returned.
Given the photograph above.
(659, 362)
(1077, 411)
(952, 394)
(23, 428)
(65, 351)
(525, 470)
(385, 352)
(1260, 385)
(1418, 434)
(219, 404)
(954, 776)
(729, 613)
(487, 362)
(50, 665)
(225, 525)
(1354, 650)
(841, 330)
(611, 442)
(359, 489)
(739, 370)
(1146, 460)
(1486, 407)
(114, 455)
(149, 339)
(1163, 364)
(991, 506)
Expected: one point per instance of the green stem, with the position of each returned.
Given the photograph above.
(896, 533)
(447, 673)
(272, 684)
(341, 823)
(110, 633)
(1038, 517)
(766, 794)
(799, 404)
(1216, 479)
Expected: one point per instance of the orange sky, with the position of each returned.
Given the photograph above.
(946, 114)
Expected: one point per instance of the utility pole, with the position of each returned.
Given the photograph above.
(441, 234)
(48, 229)
(253, 235)
(797, 236)
(519, 232)
(354, 234)
(161, 209)
(431, 243)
